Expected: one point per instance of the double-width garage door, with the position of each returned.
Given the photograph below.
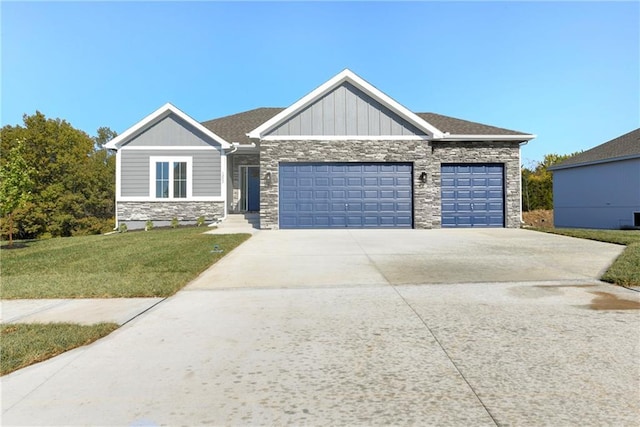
(472, 195)
(338, 195)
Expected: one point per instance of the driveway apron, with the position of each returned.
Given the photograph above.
(363, 327)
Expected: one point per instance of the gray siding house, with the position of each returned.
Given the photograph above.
(600, 187)
(344, 155)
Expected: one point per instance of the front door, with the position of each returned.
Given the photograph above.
(253, 189)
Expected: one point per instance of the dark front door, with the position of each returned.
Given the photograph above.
(253, 189)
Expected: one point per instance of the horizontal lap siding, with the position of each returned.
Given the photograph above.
(135, 173)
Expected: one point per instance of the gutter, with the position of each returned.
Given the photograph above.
(449, 137)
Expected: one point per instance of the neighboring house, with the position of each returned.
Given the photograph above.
(600, 187)
(344, 155)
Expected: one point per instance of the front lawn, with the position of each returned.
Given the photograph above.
(26, 344)
(135, 264)
(625, 271)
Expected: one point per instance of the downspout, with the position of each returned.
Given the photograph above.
(520, 177)
(234, 148)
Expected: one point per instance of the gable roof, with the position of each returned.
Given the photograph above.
(454, 126)
(154, 118)
(339, 79)
(234, 128)
(623, 147)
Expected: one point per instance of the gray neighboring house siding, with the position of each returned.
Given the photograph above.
(182, 140)
(599, 188)
(602, 196)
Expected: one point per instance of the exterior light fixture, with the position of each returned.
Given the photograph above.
(267, 178)
(423, 177)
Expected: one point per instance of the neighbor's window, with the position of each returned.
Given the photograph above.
(171, 180)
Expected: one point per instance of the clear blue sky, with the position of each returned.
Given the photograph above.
(566, 71)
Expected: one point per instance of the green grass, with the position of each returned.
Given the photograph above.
(135, 264)
(625, 271)
(26, 344)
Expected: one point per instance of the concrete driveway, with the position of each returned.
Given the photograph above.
(341, 328)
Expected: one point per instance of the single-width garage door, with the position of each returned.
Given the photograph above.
(472, 195)
(338, 195)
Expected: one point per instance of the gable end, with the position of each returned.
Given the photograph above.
(346, 110)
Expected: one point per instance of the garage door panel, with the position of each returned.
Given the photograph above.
(472, 195)
(351, 195)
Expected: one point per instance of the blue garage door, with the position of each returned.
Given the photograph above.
(338, 195)
(472, 195)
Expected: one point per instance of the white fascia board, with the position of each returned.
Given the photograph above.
(152, 118)
(346, 138)
(171, 148)
(594, 162)
(344, 76)
(449, 137)
(168, 199)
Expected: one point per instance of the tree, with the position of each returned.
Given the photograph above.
(537, 183)
(15, 184)
(73, 178)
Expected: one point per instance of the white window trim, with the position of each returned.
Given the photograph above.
(171, 159)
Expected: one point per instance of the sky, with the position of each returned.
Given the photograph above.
(568, 72)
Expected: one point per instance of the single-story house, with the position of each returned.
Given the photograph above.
(344, 155)
(600, 187)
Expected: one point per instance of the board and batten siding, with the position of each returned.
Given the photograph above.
(135, 172)
(346, 111)
(170, 131)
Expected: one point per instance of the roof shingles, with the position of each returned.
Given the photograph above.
(625, 146)
(235, 127)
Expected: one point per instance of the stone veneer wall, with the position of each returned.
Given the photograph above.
(274, 152)
(426, 197)
(505, 153)
(167, 210)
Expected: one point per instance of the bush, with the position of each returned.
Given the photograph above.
(174, 222)
(148, 226)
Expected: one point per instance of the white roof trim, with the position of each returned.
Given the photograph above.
(594, 162)
(155, 117)
(346, 138)
(449, 137)
(344, 76)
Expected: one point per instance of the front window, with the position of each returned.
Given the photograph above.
(162, 180)
(171, 177)
(180, 179)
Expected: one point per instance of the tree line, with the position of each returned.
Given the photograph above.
(55, 180)
(537, 183)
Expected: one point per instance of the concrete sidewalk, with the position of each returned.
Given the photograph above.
(82, 311)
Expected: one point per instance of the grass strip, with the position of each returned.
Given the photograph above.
(156, 263)
(24, 344)
(625, 270)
